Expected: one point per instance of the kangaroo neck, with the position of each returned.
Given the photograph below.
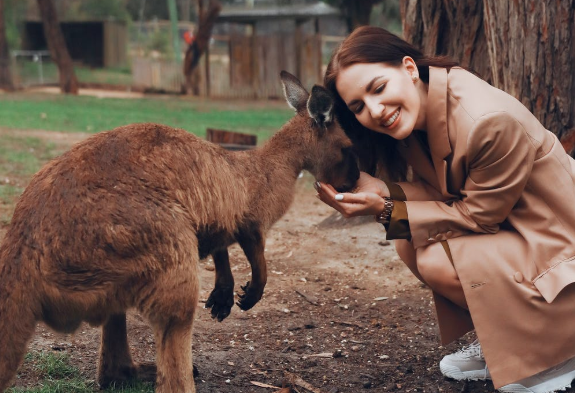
(277, 164)
(288, 149)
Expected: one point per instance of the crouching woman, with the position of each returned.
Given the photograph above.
(487, 218)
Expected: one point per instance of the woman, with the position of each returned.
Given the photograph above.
(487, 219)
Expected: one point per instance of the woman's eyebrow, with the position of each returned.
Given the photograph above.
(371, 82)
(367, 89)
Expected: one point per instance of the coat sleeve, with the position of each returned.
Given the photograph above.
(500, 156)
(418, 190)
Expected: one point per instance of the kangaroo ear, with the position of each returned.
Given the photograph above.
(296, 95)
(320, 106)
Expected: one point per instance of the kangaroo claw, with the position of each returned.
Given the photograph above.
(221, 301)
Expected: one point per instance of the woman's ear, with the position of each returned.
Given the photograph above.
(410, 66)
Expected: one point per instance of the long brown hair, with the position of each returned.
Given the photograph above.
(367, 44)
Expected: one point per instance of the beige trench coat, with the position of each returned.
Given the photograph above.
(500, 190)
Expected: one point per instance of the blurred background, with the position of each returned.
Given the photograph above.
(141, 44)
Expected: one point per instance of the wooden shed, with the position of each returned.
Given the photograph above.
(94, 43)
(278, 38)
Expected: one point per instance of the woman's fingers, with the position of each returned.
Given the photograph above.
(350, 204)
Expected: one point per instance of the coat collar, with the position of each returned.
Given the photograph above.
(436, 113)
(433, 167)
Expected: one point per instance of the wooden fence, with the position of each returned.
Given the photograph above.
(241, 66)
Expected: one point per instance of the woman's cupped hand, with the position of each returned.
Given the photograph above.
(364, 200)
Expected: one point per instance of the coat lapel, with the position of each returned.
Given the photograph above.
(417, 156)
(436, 115)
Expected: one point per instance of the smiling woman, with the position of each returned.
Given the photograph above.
(483, 218)
(385, 99)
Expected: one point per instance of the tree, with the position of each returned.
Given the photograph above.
(57, 46)
(448, 27)
(356, 12)
(5, 75)
(200, 43)
(531, 51)
(524, 48)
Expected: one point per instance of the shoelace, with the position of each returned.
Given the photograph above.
(473, 349)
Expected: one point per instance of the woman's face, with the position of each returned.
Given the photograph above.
(384, 98)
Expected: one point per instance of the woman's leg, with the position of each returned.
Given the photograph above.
(433, 267)
(407, 254)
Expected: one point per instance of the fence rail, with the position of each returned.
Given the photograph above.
(243, 66)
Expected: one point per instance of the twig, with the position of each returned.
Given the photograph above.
(306, 297)
(296, 380)
(348, 324)
(264, 385)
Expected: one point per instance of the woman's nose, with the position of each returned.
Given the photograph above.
(376, 109)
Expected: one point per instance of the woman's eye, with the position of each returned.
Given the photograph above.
(357, 109)
(379, 89)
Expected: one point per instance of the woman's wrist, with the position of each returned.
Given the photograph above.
(384, 193)
(385, 216)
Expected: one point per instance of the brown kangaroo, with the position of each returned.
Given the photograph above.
(122, 219)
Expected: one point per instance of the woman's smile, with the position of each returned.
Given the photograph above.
(392, 120)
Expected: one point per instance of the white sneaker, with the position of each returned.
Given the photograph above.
(548, 381)
(466, 364)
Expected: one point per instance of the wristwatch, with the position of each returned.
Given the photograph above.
(385, 215)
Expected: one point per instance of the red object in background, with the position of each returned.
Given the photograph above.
(189, 37)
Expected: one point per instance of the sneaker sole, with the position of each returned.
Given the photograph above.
(563, 382)
(454, 372)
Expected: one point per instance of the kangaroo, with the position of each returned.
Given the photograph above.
(121, 220)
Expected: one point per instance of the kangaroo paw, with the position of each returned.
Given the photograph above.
(117, 377)
(147, 371)
(250, 297)
(221, 301)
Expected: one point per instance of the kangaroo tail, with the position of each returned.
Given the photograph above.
(17, 319)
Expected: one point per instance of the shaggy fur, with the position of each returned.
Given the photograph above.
(122, 219)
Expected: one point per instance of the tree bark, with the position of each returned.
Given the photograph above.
(531, 49)
(203, 34)
(449, 28)
(57, 46)
(6, 82)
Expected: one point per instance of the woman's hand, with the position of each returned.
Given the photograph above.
(365, 200)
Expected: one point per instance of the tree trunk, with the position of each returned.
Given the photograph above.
(448, 27)
(206, 22)
(57, 46)
(358, 12)
(531, 49)
(5, 75)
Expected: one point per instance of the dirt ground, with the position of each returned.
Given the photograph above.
(340, 313)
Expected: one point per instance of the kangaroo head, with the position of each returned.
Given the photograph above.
(331, 159)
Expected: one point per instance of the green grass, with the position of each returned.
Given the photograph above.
(57, 375)
(20, 158)
(29, 73)
(90, 114)
(109, 76)
(9, 193)
(23, 156)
